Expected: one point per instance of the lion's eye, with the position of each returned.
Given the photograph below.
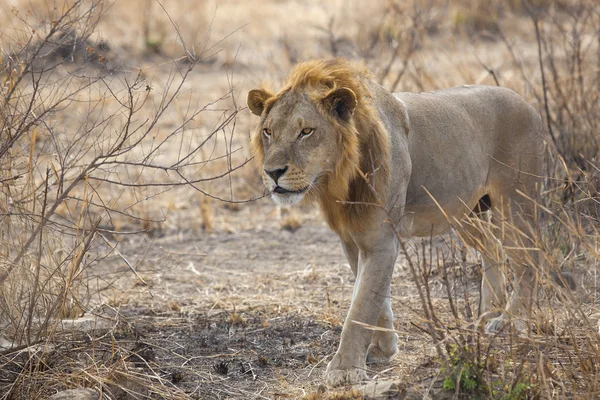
(267, 132)
(306, 132)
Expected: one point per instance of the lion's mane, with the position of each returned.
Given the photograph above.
(359, 182)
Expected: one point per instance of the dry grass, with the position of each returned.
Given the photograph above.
(76, 220)
(291, 222)
(206, 213)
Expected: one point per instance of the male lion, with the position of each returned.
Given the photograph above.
(430, 161)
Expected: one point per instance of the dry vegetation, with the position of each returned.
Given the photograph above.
(135, 260)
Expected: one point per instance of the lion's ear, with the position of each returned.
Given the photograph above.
(256, 100)
(340, 103)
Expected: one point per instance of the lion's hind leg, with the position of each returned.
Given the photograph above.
(478, 232)
(520, 304)
(518, 227)
(384, 344)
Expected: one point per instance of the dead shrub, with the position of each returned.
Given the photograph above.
(80, 156)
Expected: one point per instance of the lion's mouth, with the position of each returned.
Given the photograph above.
(280, 190)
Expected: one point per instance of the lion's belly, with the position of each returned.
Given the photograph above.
(454, 190)
(428, 220)
(453, 182)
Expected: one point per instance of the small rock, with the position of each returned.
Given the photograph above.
(384, 390)
(75, 394)
(124, 385)
(85, 324)
(6, 344)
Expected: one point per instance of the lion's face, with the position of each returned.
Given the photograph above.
(300, 145)
(299, 148)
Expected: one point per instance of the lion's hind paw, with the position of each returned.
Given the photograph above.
(499, 324)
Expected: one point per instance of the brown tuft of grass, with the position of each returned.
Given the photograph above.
(174, 305)
(236, 319)
(291, 222)
(323, 394)
(481, 19)
(206, 213)
(232, 206)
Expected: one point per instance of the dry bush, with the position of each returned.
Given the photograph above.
(83, 147)
(150, 24)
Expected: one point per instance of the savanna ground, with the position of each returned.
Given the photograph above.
(141, 259)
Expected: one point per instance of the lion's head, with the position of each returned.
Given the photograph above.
(318, 138)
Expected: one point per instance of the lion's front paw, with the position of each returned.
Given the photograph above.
(338, 375)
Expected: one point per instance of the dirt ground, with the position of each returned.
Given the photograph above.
(255, 313)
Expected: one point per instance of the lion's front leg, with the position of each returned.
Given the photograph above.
(384, 344)
(371, 295)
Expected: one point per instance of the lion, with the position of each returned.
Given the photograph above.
(384, 166)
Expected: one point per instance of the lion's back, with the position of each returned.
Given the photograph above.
(482, 118)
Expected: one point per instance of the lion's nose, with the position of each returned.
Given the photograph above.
(276, 173)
